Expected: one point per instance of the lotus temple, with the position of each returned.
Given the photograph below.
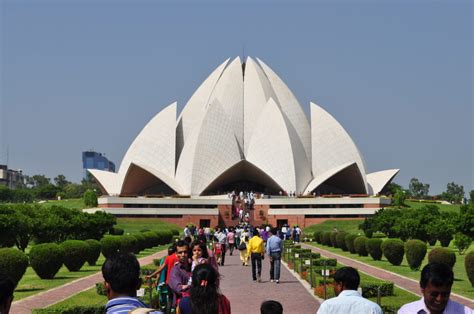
(243, 130)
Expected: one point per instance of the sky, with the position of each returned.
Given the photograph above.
(89, 74)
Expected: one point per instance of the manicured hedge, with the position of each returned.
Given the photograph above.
(72, 309)
(469, 266)
(13, 263)
(374, 248)
(341, 240)
(442, 255)
(94, 251)
(359, 246)
(326, 238)
(416, 252)
(332, 238)
(110, 245)
(317, 236)
(46, 259)
(350, 242)
(393, 250)
(325, 261)
(128, 244)
(369, 289)
(75, 254)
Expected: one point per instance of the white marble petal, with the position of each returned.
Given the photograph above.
(378, 180)
(109, 181)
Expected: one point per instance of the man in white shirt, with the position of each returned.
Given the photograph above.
(348, 300)
(435, 284)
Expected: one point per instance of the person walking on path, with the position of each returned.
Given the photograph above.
(244, 243)
(122, 280)
(180, 274)
(348, 300)
(435, 284)
(256, 251)
(274, 249)
(221, 238)
(231, 240)
(204, 295)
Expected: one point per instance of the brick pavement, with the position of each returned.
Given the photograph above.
(408, 284)
(53, 296)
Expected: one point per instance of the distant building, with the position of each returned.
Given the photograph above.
(11, 178)
(95, 160)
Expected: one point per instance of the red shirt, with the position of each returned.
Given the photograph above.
(170, 260)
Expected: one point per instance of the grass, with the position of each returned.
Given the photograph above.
(461, 284)
(89, 297)
(133, 225)
(442, 207)
(73, 203)
(350, 226)
(31, 284)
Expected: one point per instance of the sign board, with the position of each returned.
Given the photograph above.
(297, 255)
(289, 250)
(141, 292)
(307, 262)
(325, 272)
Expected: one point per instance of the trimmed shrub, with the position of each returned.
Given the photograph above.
(90, 198)
(141, 242)
(432, 241)
(152, 239)
(94, 251)
(75, 254)
(72, 309)
(369, 289)
(110, 245)
(378, 235)
(13, 264)
(316, 236)
(128, 244)
(349, 239)
(442, 255)
(325, 261)
(175, 232)
(445, 239)
(359, 246)
(393, 250)
(116, 231)
(326, 238)
(341, 240)
(164, 237)
(333, 236)
(374, 248)
(46, 259)
(416, 252)
(469, 265)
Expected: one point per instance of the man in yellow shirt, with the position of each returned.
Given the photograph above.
(256, 251)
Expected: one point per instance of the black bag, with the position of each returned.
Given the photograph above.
(242, 246)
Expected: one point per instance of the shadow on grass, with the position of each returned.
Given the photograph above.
(28, 289)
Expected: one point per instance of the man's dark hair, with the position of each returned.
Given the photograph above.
(348, 276)
(271, 307)
(122, 272)
(182, 243)
(255, 232)
(6, 288)
(274, 231)
(438, 274)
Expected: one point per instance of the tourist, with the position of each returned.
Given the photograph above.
(221, 238)
(256, 252)
(284, 232)
(6, 293)
(204, 296)
(181, 272)
(166, 265)
(274, 249)
(348, 300)
(121, 274)
(244, 257)
(231, 240)
(435, 284)
(199, 255)
(271, 307)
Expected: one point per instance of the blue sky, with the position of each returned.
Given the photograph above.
(78, 75)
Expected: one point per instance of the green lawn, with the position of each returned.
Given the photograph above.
(74, 203)
(133, 225)
(89, 297)
(461, 284)
(350, 226)
(442, 207)
(31, 284)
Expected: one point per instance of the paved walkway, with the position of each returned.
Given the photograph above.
(246, 296)
(408, 284)
(53, 296)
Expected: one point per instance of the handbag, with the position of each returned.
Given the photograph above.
(242, 246)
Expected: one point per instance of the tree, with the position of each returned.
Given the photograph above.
(418, 189)
(61, 182)
(90, 198)
(454, 193)
(399, 198)
(471, 197)
(89, 183)
(39, 180)
(393, 187)
(466, 220)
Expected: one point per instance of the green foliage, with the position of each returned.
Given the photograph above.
(128, 244)
(13, 263)
(164, 236)
(399, 198)
(326, 238)
(152, 239)
(75, 254)
(100, 288)
(325, 261)
(418, 189)
(359, 246)
(93, 252)
(469, 266)
(141, 242)
(454, 193)
(374, 248)
(317, 236)
(340, 240)
(471, 197)
(466, 220)
(369, 288)
(73, 309)
(116, 231)
(393, 250)
(462, 242)
(416, 252)
(442, 255)
(110, 245)
(74, 190)
(46, 259)
(349, 239)
(90, 198)
(332, 238)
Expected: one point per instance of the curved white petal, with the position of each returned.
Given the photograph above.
(270, 148)
(109, 181)
(318, 180)
(332, 146)
(209, 153)
(378, 180)
(290, 106)
(229, 92)
(257, 91)
(154, 147)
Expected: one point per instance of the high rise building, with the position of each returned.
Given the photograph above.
(95, 160)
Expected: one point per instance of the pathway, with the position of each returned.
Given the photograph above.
(55, 295)
(408, 284)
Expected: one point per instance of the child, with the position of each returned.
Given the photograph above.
(218, 251)
(200, 255)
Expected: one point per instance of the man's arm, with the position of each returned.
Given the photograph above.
(175, 281)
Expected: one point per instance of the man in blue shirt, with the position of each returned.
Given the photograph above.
(121, 274)
(274, 250)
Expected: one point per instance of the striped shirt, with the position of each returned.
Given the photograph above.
(124, 305)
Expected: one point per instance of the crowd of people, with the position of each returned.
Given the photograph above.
(190, 274)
